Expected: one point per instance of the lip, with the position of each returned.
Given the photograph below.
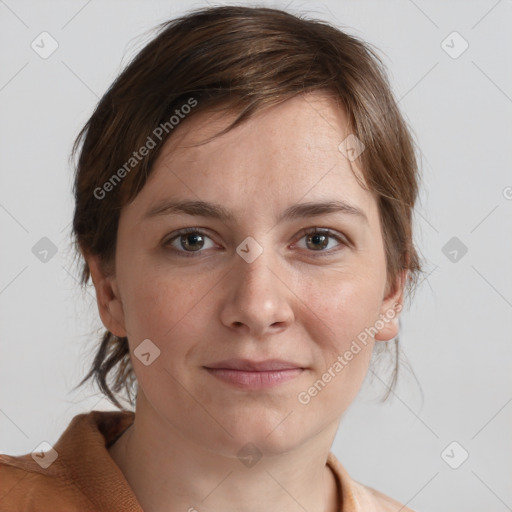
(248, 374)
(267, 365)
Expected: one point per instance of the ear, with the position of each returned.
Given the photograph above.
(391, 307)
(110, 305)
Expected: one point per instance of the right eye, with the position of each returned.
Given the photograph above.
(187, 241)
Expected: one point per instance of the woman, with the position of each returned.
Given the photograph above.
(244, 193)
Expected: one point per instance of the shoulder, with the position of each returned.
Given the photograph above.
(25, 488)
(76, 473)
(385, 503)
(357, 497)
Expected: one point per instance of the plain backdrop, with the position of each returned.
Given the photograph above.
(455, 91)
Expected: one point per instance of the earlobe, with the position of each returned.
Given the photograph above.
(109, 302)
(391, 309)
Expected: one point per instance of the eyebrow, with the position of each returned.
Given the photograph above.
(217, 211)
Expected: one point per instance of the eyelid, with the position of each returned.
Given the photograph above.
(327, 231)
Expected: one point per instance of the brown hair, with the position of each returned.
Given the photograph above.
(241, 59)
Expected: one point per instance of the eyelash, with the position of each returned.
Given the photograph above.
(309, 231)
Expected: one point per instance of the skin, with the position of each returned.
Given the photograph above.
(293, 302)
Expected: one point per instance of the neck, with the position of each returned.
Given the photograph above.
(170, 472)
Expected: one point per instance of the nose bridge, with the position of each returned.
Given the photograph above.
(256, 297)
(254, 269)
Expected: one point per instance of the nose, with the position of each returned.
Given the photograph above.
(258, 301)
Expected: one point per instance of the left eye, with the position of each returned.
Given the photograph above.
(191, 240)
(318, 239)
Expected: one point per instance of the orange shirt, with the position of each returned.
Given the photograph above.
(84, 477)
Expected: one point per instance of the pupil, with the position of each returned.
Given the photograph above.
(316, 238)
(188, 245)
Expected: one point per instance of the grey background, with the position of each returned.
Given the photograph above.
(456, 334)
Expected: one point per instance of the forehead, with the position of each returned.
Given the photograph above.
(313, 123)
(283, 154)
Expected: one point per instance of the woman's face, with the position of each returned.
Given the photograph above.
(250, 285)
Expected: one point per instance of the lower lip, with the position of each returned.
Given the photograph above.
(255, 380)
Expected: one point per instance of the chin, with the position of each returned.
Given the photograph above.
(271, 435)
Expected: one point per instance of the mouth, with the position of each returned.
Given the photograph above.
(255, 374)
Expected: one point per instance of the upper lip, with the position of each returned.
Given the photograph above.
(254, 366)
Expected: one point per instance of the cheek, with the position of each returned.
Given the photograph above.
(167, 311)
(341, 305)
(163, 306)
(337, 322)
